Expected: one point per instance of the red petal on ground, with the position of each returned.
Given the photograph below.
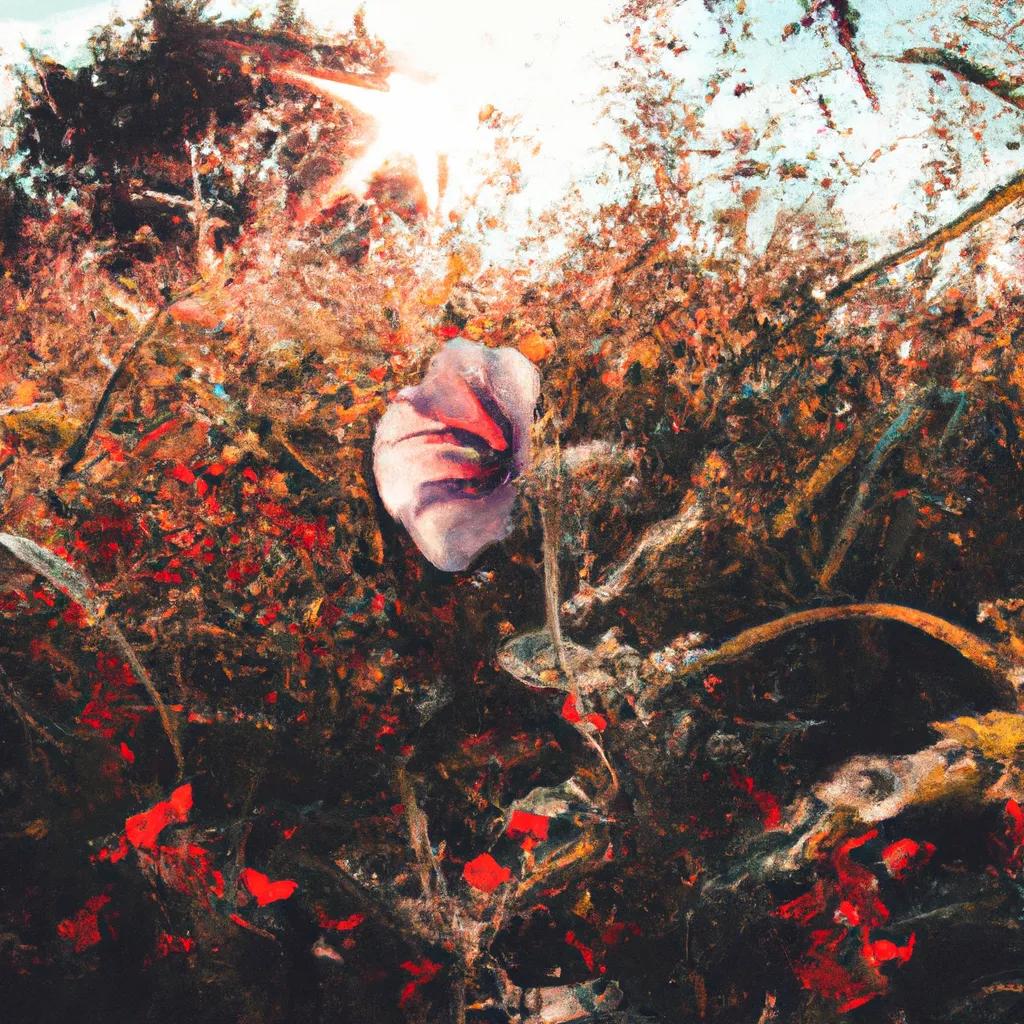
(485, 873)
(523, 823)
(570, 712)
(900, 857)
(142, 829)
(264, 889)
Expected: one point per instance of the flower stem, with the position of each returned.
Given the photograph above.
(551, 527)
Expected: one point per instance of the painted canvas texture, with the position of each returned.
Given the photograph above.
(512, 514)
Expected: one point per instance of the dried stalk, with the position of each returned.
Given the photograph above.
(995, 202)
(551, 528)
(28, 720)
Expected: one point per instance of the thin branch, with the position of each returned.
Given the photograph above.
(965, 70)
(595, 742)
(995, 202)
(551, 517)
(31, 723)
(829, 466)
(550, 502)
(431, 879)
(814, 313)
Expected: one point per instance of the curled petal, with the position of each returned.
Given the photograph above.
(447, 451)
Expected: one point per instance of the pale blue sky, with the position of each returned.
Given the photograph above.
(35, 9)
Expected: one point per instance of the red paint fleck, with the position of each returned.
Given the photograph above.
(904, 855)
(344, 924)
(523, 823)
(377, 604)
(83, 928)
(847, 914)
(142, 829)
(766, 802)
(168, 944)
(127, 753)
(1013, 847)
(76, 615)
(805, 907)
(264, 889)
(570, 710)
(154, 435)
(422, 973)
(852, 1004)
(882, 950)
(585, 951)
(599, 722)
(485, 873)
(106, 712)
(271, 698)
(842, 962)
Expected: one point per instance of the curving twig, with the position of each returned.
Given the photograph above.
(969, 645)
(76, 451)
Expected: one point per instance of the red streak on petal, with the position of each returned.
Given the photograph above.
(470, 415)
